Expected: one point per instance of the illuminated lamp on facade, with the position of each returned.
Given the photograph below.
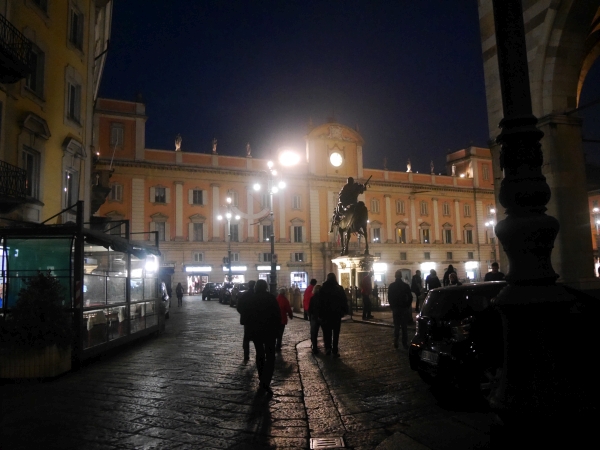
(235, 268)
(266, 267)
(427, 266)
(380, 267)
(198, 269)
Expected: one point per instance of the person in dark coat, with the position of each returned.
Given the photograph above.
(454, 280)
(241, 308)
(263, 320)
(400, 299)
(315, 323)
(446, 279)
(494, 275)
(416, 285)
(179, 293)
(432, 281)
(332, 307)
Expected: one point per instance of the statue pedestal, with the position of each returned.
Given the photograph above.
(350, 272)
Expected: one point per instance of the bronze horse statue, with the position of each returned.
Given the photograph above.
(354, 221)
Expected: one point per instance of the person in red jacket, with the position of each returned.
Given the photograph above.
(286, 311)
(307, 295)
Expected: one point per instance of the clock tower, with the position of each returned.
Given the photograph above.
(334, 150)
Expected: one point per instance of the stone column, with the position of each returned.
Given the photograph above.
(388, 218)
(413, 220)
(436, 220)
(178, 209)
(459, 235)
(216, 228)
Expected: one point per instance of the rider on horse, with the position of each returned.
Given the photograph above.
(347, 199)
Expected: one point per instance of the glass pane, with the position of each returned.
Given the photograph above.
(28, 256)
(150, 288)
(137, 289)
(116, 289)
(94, 290)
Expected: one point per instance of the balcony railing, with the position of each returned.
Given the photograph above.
(12, 181)
(15, 53)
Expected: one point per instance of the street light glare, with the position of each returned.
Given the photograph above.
(228, 215)
(275, 189)
(270, 164)
(492, 211)
(274, 172)
(281, 185)
(256, 187)
(237, 217)
(289, 158)
(228, 199)
(219, 217)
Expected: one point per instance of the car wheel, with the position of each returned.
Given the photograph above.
(489, 381)
(426, 377)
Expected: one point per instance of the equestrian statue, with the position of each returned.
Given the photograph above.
(350, 216)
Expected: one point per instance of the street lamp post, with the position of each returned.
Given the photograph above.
(228, 217)
(490, 224)
(272, 189)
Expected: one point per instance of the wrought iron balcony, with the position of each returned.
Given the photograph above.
(13, 182)
(15, 53)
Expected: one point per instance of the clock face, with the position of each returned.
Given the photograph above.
(335, 159)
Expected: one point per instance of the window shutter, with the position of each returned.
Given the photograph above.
(204, 197)
(152, 195)
(292, 237)
(191, 232)
(190, 196)
(205, 232)
(291, 257)
(303, 234)
(168, 195)
(260, 233)
(167, 231)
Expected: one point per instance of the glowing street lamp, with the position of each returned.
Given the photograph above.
(286, 158)
(228, 216)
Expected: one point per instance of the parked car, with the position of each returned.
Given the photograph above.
(210, 290)
(237, 290)
(458, 339)
(225, 293)
(166, 300)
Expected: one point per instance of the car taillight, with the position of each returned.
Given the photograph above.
(461, 331)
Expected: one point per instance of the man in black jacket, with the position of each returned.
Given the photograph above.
(242, 301)
(263, 320)
(400, 299)
(332, 307)
(415, 287)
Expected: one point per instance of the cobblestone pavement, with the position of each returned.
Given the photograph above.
(189, 389)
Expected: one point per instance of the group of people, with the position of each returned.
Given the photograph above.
(264, 318)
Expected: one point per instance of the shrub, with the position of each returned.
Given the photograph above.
(39, 318)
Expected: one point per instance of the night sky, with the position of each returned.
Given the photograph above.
(409, 74)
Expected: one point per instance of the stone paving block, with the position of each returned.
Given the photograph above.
(141, 442)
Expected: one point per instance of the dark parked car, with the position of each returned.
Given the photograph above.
(225, 293)
(210, 290)
(458, 339)
(237, 290)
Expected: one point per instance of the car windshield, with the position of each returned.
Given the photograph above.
(449, 304)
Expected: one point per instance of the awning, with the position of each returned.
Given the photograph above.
(119, 244)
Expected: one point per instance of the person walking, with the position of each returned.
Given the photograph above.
(366, 290)
(308, 293)
(432, 281)
(315, 321)
(242, 309)
(400, 299)
(332, 307)
(454, 280)
(446, 278)
(179, 294)
(263, 320)
(416, 285)
(494, 275)
(286, 311)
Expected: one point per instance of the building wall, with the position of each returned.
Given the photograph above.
(36, 116)
(434, 202)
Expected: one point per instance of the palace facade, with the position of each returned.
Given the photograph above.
(417, 220)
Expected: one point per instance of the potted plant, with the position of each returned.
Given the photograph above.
(36, 336)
